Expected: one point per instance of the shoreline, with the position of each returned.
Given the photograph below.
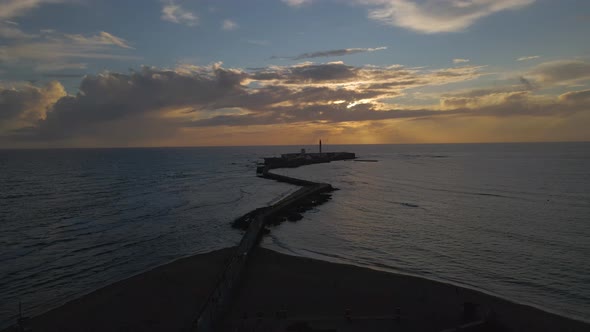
(140, 300)
(315, 287)
(393, 271)
(168, 297)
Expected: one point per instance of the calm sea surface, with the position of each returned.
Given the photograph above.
(509, 219)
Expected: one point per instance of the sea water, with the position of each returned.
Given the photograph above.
(508, 219)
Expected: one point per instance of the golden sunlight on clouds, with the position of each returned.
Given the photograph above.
(296, 105)
(449, 129)
(24, 105)
(484, 129)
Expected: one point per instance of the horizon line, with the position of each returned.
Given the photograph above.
(275, 145)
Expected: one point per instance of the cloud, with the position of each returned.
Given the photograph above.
(562, 72)
(437, 16)
(515, 100)
(22, 106)
(333, 53)
(175, 13)
(527, 83)
(62, 76)
(160, 104)
(59, 66)
(526, 58)
(102, 39)
(52, 51)
(457, 61)
(229, 25)
(478, 98)
(297, 3)
(576, 97)
(484, 92)
(10, 30)
(166, 101)
(144, 96)
(15, 8)
(432, 16)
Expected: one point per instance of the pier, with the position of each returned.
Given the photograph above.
(292, 160)
(255, 222)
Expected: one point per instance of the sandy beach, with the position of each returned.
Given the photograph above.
(287, 293)
(322, 292)
(166, 298)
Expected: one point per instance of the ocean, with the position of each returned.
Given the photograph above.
(512, 220)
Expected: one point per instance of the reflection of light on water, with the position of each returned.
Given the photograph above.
(471, 214)
(86, 218)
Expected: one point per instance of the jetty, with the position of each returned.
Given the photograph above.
(255, 225)
(292, 160)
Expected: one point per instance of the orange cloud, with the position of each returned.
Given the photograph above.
(193, 105)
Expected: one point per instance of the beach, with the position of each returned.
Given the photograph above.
(282, 292)
(322, 292)
(166, 298)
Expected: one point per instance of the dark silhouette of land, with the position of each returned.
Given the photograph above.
(166, 298)
(299, 290)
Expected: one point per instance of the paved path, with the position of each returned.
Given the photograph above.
(219, 300)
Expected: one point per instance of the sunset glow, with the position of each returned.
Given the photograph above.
(192, 73)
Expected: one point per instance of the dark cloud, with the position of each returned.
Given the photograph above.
(577, 98)
(51, 51)
(477, 93)
(561, 72)
(323, 114)
(332, 53)
(22, 106)
(308, 73)
(157, 103)
(13, 102)
(485, 96)
(319, 73)
(506, 104)
(113, 96)
(57, 75)
(527, 84)
(517, 103)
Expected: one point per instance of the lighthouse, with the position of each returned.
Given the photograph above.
(320, 146)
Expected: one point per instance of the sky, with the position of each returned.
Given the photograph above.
(142, 73)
